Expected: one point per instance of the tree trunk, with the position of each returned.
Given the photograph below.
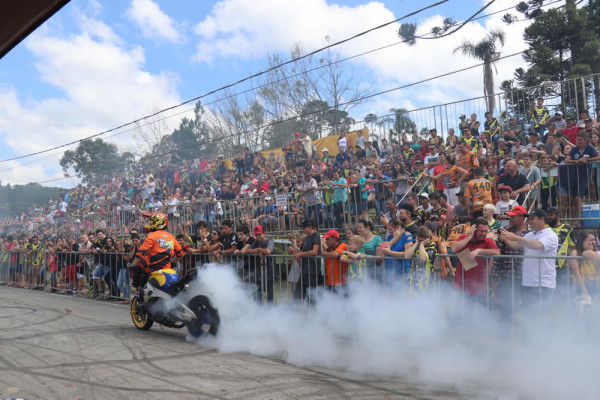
(488, 86)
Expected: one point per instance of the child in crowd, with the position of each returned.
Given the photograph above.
(504, 204)
(295, 269)
(355, 256)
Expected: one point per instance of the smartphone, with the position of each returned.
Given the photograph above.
(383, 245)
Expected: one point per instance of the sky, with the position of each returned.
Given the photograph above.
(98, 64)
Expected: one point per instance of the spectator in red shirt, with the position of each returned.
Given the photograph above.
(473, 281)
(571, 130)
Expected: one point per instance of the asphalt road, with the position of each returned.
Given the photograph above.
(60, 347)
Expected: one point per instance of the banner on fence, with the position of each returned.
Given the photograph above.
(328, 142)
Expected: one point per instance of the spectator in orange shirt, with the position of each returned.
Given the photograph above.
(336, 272)
(466, 159)
(478, 192)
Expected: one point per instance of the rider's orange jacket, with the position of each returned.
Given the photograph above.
(158, 249)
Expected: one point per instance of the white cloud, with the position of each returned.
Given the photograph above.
(249, 29)
(104, 84)
(152, 21)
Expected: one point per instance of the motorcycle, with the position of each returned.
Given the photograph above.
(162, 300)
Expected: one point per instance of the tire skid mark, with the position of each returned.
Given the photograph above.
(115, 387)
(60, 316)
(86, 370)
(94, 362)
(32, 355)
(29, 309)
(63, 331)
(359, 383)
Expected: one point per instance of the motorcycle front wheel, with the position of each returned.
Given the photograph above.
(141, 319)
(207, 318)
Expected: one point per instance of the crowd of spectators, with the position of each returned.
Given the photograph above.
(553, 163)
(388, 210)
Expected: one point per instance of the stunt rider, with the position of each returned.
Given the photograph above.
(157, 250)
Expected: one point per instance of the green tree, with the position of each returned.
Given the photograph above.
(94, 160)
(18, 198)
(186, 142)
(486, 51)
(402, 122)
(319, 91)
(563, 43)
(371, 119)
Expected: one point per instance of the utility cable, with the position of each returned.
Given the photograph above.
(329, 108)
(293, 60)
(472, 18)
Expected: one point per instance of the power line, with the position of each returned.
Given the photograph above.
(329, 108)
(237, 82)
(472, 18)
(462, 24)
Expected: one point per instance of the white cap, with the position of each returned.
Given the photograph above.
(424, 195)
(325, 150)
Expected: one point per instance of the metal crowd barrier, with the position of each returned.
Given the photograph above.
(95, 275)
(281, 277)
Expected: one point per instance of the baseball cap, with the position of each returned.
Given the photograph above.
(407, 207)
(297, 134)
(581, 125)
(309, 222)
(569, 118)
(553, 210)
(332, 233)
(462, 116)
(325, 150)
(424, 195)
(517, 210)
(538, 212)
(258, 230)
(558, 113)
(505, 187)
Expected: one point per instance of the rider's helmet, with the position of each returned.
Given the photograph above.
(157, 222)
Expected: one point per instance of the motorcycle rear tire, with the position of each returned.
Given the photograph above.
(142, 321)
(207, 317)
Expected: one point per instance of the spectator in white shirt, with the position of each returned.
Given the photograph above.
(539, 273)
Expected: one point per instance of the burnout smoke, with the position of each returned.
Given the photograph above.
(378, 332)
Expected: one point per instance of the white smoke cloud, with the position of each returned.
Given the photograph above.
(385, 333)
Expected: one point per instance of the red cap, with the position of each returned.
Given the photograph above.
(505, 187)
(517, 210)
(258, 230)
(297, 134)
(332, 233)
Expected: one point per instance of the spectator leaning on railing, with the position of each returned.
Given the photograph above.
(507, 272)
(539, 273)
(475, 281)
(311, 246)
